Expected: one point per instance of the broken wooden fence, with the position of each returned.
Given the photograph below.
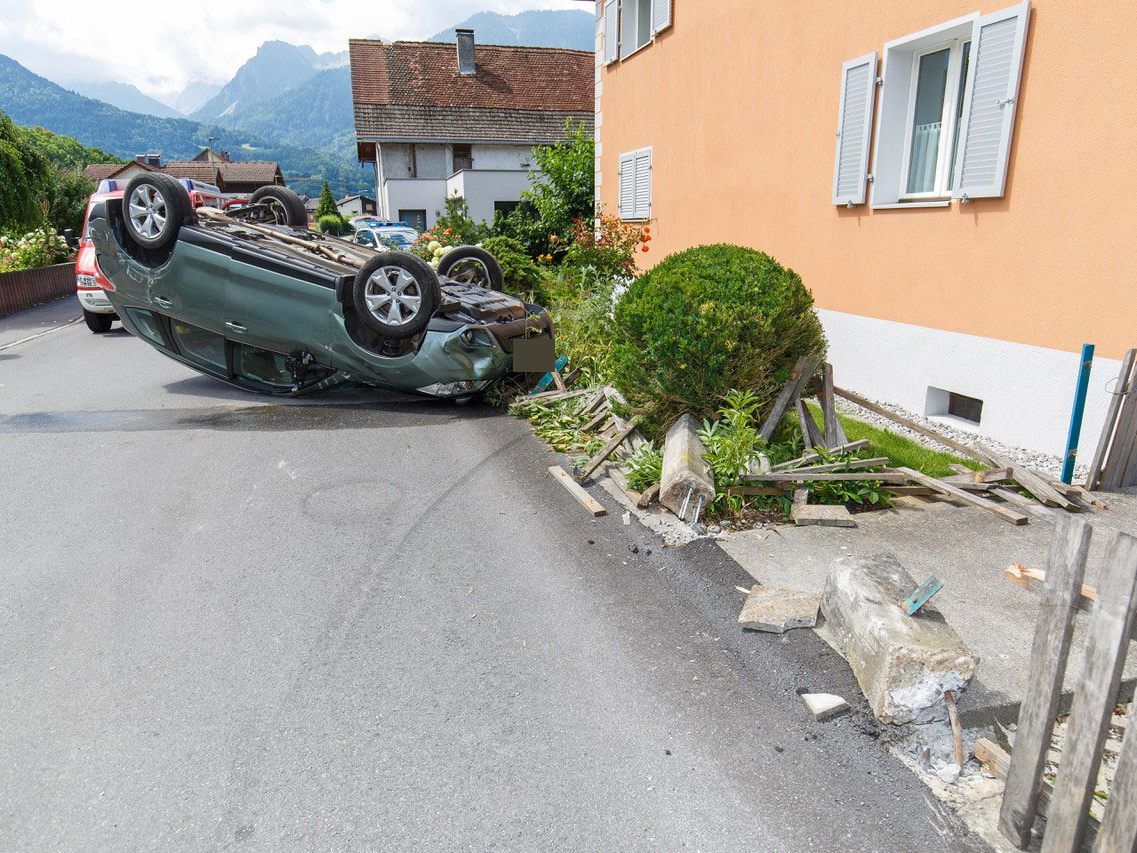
(1067, 805)
(1114, 465)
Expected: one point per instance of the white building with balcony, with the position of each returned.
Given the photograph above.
(441, 120)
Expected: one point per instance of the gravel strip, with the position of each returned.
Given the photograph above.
(1044, 463)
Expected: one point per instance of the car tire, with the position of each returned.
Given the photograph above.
(98, 323)
(396, 294)
(492, 276)
(154, 208)
(287, 206)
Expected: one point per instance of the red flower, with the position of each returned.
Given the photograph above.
(645, 248)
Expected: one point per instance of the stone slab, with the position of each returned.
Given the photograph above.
(822, 516)
(902, 663)
(824, 705)
(779, 610)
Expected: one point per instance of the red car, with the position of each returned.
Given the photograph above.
(90, 283)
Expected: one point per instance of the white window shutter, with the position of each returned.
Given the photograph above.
(643, 184)
(627, 27)
(992, 91)
(660, 15)
(611, 32)
(627, 178)
(854, 129)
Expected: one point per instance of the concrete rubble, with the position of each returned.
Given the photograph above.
(687, 477)
(779, 610)
(824, 705)
(904, 664)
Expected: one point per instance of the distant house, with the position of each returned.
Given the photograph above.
(357, 205)
(440, 119)
(233, 178)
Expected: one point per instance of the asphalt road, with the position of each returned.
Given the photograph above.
(235, 622)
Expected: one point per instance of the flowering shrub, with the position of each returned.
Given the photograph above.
(430, 245)
(38, 248)
(607, 248)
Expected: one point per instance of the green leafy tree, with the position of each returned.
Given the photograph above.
(327, 205)
(563, 192)
(24, 178)
(67, 193)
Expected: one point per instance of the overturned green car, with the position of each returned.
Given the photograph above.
(256, 299)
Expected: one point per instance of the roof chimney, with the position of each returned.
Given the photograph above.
(140, 158)
(466, 62)
(154, 160)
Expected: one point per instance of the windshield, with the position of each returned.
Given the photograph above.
(399, 236)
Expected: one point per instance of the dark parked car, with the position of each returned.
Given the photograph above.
(255, 298)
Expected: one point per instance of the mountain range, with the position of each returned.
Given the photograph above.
(286, 103)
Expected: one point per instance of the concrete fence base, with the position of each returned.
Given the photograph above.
(25, 288)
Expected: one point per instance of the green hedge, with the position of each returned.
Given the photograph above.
(705, 321)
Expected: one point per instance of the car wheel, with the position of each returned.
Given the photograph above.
(154, 206)
(396, 294)
(472, 265)
(98, 323)
(283, 205)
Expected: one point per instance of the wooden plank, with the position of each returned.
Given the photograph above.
(814, 456)
(1119, 826)
(1031, 481)
(948, 489)
(608, 449)
(1093, 481)
(647, 497)
(803, 371)
(1069, 548)
(1107, 643)
(899, 477)
(912, 491)
(583, 498)
(618, 477)
(966, 482)
(1032, 580)
(927, 432)
(834, 434)
(1032, 507)
(1122, 460)
(750, 491)
(593, 403)
(570, 377)
(560, 382)
(852, 465)
(553, 396)
(805, 420)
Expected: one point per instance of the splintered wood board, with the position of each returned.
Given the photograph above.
(577, 491)
(940, 486)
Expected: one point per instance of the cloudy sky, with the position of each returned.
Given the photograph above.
(163, 45)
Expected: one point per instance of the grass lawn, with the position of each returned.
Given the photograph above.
(903, 452)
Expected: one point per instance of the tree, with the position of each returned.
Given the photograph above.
(24, 178)
(67, 193)
(565, 188)
(327, 205)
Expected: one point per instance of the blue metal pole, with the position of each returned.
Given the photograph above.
(1076, 415)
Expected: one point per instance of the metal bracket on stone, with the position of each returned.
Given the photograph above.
(921, 595)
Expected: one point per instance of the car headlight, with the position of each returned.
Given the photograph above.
(474, 338)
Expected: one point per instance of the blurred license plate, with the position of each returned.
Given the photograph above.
(533, 355)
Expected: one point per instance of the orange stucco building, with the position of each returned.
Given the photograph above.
(947, 176)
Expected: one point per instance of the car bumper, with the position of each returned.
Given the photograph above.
(95, 301)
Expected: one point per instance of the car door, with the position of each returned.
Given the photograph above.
(277, 305)
(193, 284)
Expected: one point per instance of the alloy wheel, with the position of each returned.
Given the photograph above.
(393, 296)
(148, 212)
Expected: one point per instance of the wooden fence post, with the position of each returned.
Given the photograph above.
(1058, 606)
(1106, 647)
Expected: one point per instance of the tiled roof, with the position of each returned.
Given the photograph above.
(249, 171)
(195, 170)
(413, 91)
(102, 171)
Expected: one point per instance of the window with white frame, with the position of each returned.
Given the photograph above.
(631, 24)
(947, 111)
(634, 181)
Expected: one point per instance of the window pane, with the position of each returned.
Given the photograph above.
(927, 119)
(147, 324)
(200, 346)
(959, 110)
(643, 23)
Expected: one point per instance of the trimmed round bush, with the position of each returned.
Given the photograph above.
(706, 321)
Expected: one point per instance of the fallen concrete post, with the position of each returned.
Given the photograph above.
(687, 477)
(904, 664)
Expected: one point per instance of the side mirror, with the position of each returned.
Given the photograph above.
(72, 240)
